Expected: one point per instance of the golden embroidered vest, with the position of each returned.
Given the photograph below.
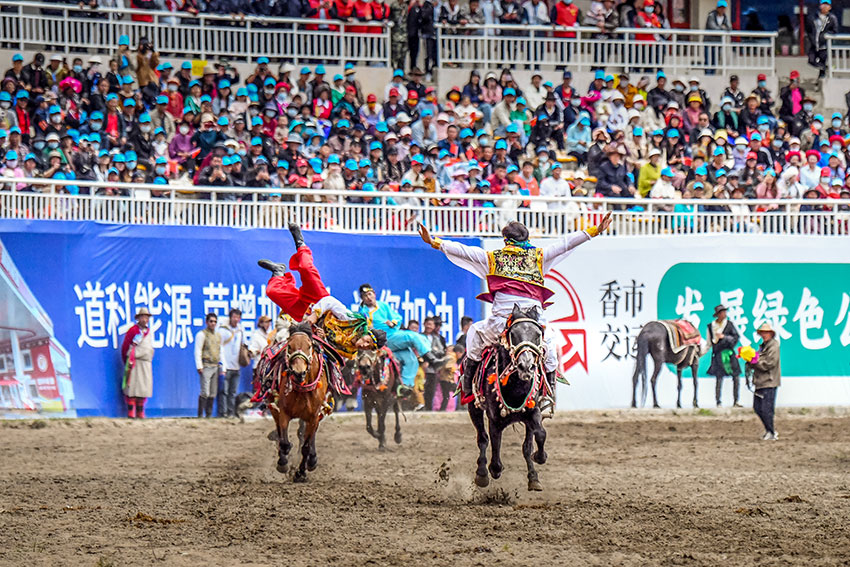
(516, 271)
(211, 352)
(342, 335)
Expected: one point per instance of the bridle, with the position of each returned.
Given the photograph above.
(517, 349)
(377, 378)
(307, 356)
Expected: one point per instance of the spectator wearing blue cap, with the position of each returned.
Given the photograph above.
(141, 138)
(501, 115)
(578, 139)
(716, 21)
(424, 130)
(216, 173)
(13, 167)
(818, 25)
(161, 118)
(663, 187)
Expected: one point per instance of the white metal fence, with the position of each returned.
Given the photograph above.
(67, 28)
(674, 50)
(58, 27)
(380, 213)
(838, 55)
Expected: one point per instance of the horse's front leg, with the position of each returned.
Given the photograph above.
(495, 467)
(678, 387)
(477, 416)
(367, 410)
(309, 435)
(694, 373)
(382, 423)
(397, 437)
(527, 448)
(283, 444)
(540, 455)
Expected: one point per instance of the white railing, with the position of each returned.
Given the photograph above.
(838, 55)
(674, 50)
(67, 28)
(381, 213)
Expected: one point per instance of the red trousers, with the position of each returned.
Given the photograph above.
(295, 301)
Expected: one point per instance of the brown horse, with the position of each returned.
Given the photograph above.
(301, 393)
(378, 374)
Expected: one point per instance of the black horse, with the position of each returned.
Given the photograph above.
(507, 388)
(379, 378)
(654, 340)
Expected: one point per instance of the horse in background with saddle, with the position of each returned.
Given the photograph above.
(507, 388)
(378, 374)
(675, 342)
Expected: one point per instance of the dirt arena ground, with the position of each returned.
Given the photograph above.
(621, 488)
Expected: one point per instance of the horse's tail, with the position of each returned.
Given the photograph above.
(640, 366)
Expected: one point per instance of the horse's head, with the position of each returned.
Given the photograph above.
(525, 341)
(366, 362)
(299, 352)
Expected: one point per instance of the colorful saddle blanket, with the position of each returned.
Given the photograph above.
(682, 334)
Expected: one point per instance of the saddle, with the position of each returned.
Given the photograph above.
(682, 334)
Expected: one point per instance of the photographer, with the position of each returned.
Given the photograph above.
(214, 174)
(147, 60)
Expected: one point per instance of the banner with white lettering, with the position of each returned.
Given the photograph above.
(608, 288)
(73, 289)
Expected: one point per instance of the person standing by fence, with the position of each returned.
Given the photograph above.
(209, 364)
(137, 353)
(717, 21)
(232, 338)
(820, 24)
(766, 379)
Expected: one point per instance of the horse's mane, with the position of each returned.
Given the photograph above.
(305, 328)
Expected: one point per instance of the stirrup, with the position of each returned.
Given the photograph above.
(547, 407)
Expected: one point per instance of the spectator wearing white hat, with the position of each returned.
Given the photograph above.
(649, 173)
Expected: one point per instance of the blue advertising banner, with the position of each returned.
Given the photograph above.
(71, 291)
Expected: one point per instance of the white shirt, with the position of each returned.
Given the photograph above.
(474, 259)
(231, 340)
(551, 187)
(662, 190)
(259, 342)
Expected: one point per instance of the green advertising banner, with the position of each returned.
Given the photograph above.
(808, 305)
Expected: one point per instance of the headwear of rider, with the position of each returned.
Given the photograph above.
(516, 234)
(364, 288)
(379, 337)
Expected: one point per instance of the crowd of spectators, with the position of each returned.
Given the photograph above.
(132, 118)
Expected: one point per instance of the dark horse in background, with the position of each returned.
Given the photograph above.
(378, 375)
(654, 340)
(507, 387)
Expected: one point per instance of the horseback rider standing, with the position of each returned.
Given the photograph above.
(515, 276)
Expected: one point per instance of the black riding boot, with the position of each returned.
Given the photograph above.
(551, 381)
(295, 230)
(275, 268)
(470, 368)
(202, 403)
(429, 358)
(209, 408)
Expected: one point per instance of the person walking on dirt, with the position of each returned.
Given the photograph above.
(766, 379)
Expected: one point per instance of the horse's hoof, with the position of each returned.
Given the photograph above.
(634, 405)
(282, 467)
(273, 435)
(382, 448)
(495, 473)
(482, 481)
(540, 457)
(678, 405)
(299, 477)
(397, 438)
(534, 486)
(696, 405)
(312, 463)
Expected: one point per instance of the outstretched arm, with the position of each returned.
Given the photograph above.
(470, 258)
(555, 253)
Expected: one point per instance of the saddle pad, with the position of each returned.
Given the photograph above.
(681, 334)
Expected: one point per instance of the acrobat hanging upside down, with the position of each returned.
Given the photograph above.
(345, 330)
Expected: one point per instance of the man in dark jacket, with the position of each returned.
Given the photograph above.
(818, 26)
(791, 97)
(34, 77)
(766, 379)
(723, 338)
(613, 180)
